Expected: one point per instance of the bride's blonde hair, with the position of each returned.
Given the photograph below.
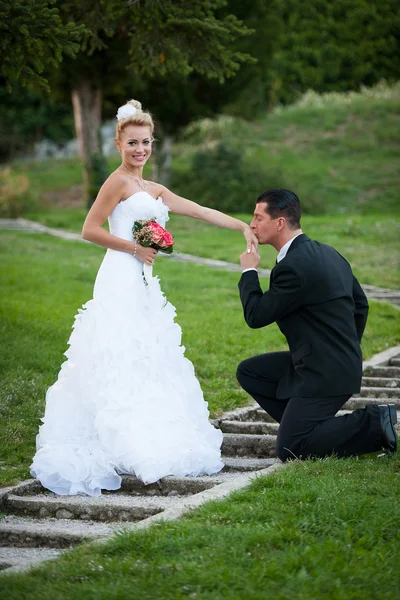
(137, 117)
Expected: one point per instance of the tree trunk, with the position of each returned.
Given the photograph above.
(86, 103)
(162, 164)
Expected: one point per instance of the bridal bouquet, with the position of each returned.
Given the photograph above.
(148, 233)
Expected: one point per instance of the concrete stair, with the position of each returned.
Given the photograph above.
(237, 465)
(251, 445)
(250, 427)
(25, 557)
(39, 525)
(393, 372)
(50, 533)
(381, 382)
(106, 508)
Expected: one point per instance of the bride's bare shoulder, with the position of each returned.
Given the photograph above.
(113, 190)
(155, 189)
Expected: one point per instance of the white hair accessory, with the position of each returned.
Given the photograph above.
(125, 111)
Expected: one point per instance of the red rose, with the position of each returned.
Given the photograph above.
(157, 232)
(168, 239)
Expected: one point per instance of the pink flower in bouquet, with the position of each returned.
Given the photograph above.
(167, 240)
(157, 232)
(150, 234)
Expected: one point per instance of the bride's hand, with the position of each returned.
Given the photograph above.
(250, 238)
(146, 255)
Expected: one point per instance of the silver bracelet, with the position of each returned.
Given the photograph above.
(134, 252)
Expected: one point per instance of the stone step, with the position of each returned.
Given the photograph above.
(238, 465)
(168, 486)
(22, 558)
(252, 427)
(254, 414)
(382, 372)
(104, 508)
(251, 413)
(394, 362)
(50, 533)
(382, 382)
(360, 402)
(273, 425)
(240, 444)
(379, 392)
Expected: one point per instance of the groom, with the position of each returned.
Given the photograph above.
(321, 309)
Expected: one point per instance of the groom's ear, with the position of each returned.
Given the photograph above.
(281, 223)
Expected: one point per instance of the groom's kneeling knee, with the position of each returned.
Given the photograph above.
(286, 448)
(284, 453)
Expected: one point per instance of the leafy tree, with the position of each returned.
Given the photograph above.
(329, 45)
(252, 91)
(26, 116)
(147, 38)
(32, 36)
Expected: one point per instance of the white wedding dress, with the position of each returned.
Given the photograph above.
(126, 399)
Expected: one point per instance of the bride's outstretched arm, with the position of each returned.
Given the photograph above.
(182, 206)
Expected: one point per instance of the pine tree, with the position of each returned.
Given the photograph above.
(33, 36)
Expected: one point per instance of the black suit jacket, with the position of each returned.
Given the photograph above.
(320, 308)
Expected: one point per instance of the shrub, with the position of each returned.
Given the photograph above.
(15, 194)
(222, 178)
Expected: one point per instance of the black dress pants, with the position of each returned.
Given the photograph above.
(308, 426)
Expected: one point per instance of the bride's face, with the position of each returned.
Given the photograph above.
(135, 145)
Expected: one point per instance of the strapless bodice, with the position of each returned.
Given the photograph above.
(141, 205)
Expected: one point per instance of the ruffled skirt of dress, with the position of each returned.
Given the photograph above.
(126, 399)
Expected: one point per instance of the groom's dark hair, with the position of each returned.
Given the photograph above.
(282, 203)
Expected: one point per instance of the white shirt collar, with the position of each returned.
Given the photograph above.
(283, 251)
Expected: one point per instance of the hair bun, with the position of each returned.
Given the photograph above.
(136, 104)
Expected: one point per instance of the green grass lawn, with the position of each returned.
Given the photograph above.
(45, 280)
(326, 529)
(321, 530)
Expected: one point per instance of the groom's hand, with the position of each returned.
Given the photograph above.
(250, 260)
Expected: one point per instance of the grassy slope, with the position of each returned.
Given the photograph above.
(339, 152)
(44, 281)
(344, 156)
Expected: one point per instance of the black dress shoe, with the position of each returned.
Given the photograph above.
(388, 421)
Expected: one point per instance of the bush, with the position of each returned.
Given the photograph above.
(15, 195)
(222, 178)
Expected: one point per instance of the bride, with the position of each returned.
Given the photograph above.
(126, 399)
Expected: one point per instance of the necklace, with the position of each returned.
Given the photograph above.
(142, 184)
